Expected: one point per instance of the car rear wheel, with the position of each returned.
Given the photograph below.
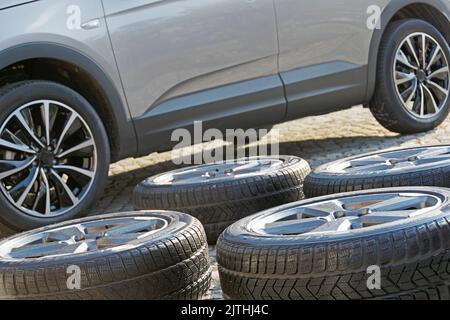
(413, 78)
(54, 154)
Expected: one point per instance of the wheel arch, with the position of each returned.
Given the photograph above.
(113, 111)
(436, 12)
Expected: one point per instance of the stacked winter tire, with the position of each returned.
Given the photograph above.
(374, 226)
(222, 193)
(136, 255)
(365, 243)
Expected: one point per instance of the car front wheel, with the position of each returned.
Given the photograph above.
(54, 154)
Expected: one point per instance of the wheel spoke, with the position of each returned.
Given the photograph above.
(83, 145)
(132, 227)
(427, 153)
(338, 225)
(16, 147)
(403, 59)
(66, 168)
(424, 51)
(40, 193)
(66, 188)
(28, 184)
(397, 203)
(381, 217)
(433, 101)
(14, 138)
(321, 210)
(409, 93)
(422, 102)
(412, 51)
(442, 90)
(47, 193)
(402, 77)
(435, 53)
(116, 240)
(297, 226)
(434, 159)
(67, 126)
(37, 250)
(27, 128)
(9, 168)
(443, 70)
(45, 111)
(371, 168)
(364, 162)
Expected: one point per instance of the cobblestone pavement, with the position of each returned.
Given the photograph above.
(317, 139)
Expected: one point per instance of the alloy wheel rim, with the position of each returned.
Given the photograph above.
(228, 169)
(421, 75)
(394, 160)
(48, 158)
(346, 214)
(85, 237)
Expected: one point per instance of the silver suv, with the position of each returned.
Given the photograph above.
(86, 82)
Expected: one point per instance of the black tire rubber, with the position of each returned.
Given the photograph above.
(385, 104)
(440, 292)
(322, 182)
(15, 95)
(413, 258)
(217, 204)
(172, 264)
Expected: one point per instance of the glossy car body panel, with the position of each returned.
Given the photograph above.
(166, 49)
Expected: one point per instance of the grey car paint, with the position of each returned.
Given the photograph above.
(240, 63)
(42, 32)
(189, 46)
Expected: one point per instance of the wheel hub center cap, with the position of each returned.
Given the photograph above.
(45, 158)
(421, 76)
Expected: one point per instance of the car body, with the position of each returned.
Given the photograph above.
(229, 63)
(151, 66)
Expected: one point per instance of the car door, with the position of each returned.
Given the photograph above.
(185, 60)
(324, 52)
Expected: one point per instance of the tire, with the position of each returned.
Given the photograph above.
(171, 263)
(332, 178)
(412, 255)
(437, 293)
(218, 202)
(12, 98)
(386, 105)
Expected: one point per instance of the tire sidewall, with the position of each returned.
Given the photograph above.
(24, 93)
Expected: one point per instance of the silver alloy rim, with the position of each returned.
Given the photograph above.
(229, 169)
(394, 160)
(99, 235)
(48, 158)
(342, 215)
(421, 75)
